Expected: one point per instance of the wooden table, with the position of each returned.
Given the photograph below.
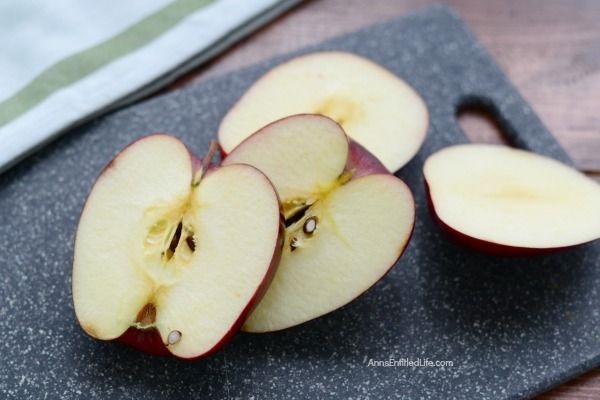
(550, 49)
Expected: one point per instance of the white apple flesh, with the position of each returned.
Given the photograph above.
(169, 259)
(375, 108)
(507, 201)
(347, 219)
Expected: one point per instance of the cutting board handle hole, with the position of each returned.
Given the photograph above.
(479, 120)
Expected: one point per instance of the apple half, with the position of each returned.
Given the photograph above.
(347, 219)
(511, 202)
(170, 256)
(375, 107)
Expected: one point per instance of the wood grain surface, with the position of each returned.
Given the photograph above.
(550, 49)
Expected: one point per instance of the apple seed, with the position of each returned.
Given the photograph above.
(147, 315)
(191, 243)
(310, 225)
(174, 337)
(294, 244)
(174, 241)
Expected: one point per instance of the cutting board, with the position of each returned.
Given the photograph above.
(512, 327)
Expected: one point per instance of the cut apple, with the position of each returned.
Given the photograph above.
(375, 108)
(508, 201)
(170, 259)
(347, 219)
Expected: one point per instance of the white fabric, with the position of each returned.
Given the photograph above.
(43, 32)
(47, 38)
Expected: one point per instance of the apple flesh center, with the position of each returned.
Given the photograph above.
(341, 109)
(302, 214)
(172, 235)
(168, 247)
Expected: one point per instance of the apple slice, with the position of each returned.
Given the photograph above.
(169, 259)
(375, 108)
(347, 219)
(507, 201)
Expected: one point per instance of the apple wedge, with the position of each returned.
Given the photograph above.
(347, 219)
(170, 256)
(513, 202)
(375, 107)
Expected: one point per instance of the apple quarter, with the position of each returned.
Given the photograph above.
(510, 201)
(347, 219)
(163, 252)
(376, 108)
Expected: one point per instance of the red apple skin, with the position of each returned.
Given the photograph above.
(149, 340)
(484, 246)
(146, 340)
(362, 162)
(222, 153)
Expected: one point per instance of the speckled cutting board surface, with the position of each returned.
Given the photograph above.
(512, 327)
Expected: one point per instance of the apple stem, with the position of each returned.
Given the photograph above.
(210, 154)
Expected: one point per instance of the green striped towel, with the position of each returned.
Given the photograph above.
(66, 61)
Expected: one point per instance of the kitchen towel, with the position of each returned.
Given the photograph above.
(63, 62)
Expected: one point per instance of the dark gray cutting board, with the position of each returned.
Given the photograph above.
(512, 327)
